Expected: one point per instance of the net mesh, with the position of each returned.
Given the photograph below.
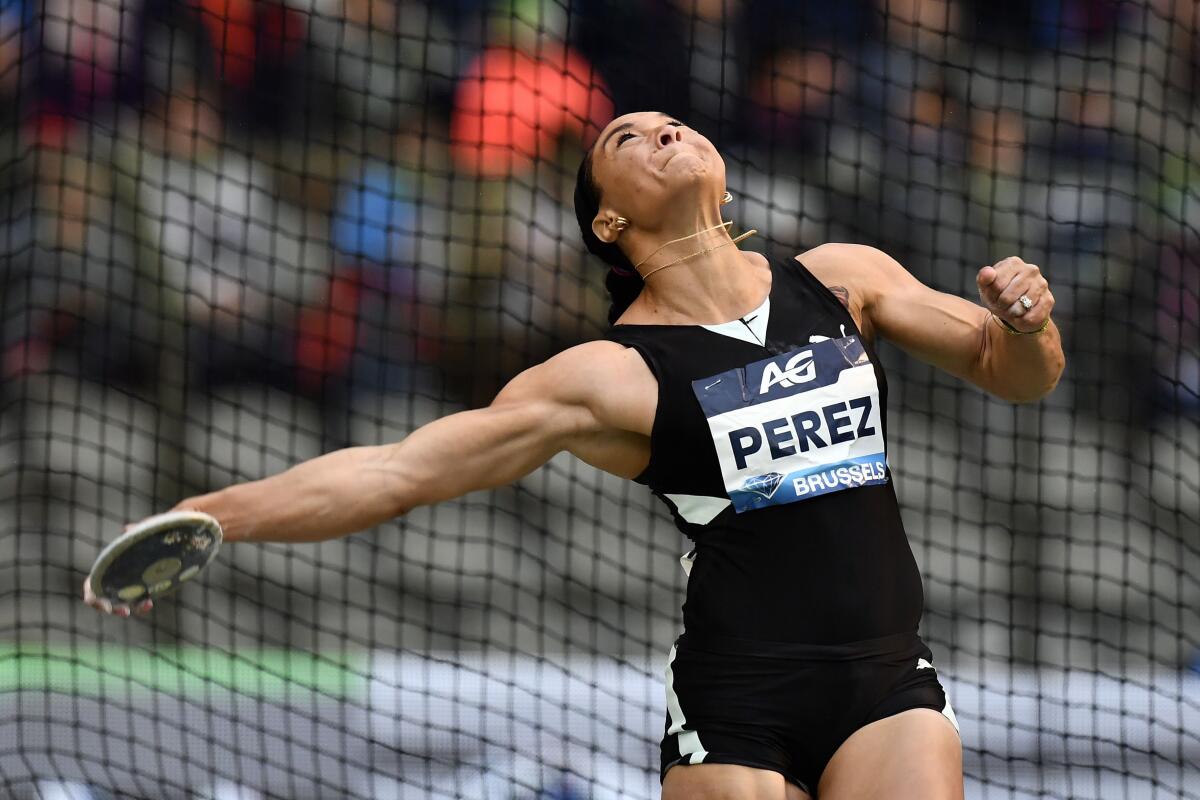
(237, 234)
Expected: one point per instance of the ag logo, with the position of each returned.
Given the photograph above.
(798, 369)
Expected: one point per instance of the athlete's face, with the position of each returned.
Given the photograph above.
(652, 169)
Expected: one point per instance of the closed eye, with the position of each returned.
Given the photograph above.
(627, 135)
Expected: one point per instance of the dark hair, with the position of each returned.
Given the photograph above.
(623, 282)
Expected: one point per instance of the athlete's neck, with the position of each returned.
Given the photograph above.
(706, 294)
(651, 265)
(717, 287)
(676, 236)
(713, 281)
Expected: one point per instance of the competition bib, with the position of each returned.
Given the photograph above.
(796, 425)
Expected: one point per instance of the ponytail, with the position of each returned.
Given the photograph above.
(624, 284)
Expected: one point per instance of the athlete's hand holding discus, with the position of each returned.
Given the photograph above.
(151, 559)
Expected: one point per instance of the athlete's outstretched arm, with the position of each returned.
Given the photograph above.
(546, 409)
(951, 332)
(589, 400)
(356, 488)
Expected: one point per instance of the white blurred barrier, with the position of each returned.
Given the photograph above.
(584, 715)
(499, 726)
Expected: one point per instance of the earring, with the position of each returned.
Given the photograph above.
(620, 223)
(726, 199)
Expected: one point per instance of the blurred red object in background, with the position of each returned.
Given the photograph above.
(245, 31)
(327, 334)
(510, 108)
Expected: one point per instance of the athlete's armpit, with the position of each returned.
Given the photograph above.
(826, 267)
(842, 294)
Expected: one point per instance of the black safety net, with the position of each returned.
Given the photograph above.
(237, 234)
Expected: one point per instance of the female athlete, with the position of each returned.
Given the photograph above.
(746, 393)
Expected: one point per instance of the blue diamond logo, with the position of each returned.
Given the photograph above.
(763, 485)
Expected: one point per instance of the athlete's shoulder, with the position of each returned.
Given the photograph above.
(850, 259)
(850, 274)
(856, 273)
(599, 354)
(582, 371)
(611, 380)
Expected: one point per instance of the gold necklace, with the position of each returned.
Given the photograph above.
(735, 240)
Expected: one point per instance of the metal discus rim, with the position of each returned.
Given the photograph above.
(147, 529)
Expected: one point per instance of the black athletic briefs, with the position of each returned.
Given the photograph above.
(788, 708)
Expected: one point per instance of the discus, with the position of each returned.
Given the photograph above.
(155, 556)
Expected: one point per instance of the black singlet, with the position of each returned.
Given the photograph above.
(788, 425)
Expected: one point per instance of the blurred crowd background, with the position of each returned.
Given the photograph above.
(355, 189)
(235, 234)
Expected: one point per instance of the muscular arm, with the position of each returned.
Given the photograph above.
(950, 332)
(590, 400)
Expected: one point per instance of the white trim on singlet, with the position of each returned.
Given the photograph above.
(751, 328)
(698, 509)
(689, 741)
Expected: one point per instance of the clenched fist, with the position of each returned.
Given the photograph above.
(1002, 286)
